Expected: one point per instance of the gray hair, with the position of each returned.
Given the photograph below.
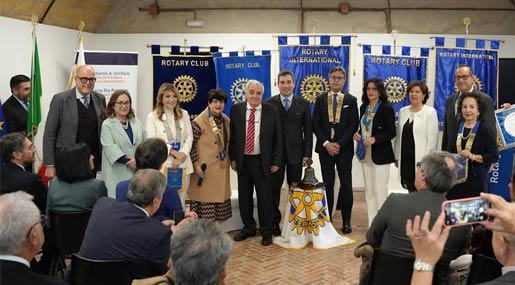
(199, 252)
(145, 185)
(254, 82)
(18, 214)
(11, 143)
(440, 177)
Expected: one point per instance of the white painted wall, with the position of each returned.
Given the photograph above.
(56, 46)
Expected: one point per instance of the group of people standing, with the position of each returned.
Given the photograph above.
(264, 140)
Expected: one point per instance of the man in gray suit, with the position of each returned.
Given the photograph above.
(435, 175)
(465, 83)
(74, 116)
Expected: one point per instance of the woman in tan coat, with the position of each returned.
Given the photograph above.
(212, 199)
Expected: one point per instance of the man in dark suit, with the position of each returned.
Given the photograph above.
(16, 151)
(433, 178)
(335, 120)
(297, 137)
(74, 116)
(21, 238)
(255, 152)
(126, 231)
(16, 107)
(503, 244)
(465, 83)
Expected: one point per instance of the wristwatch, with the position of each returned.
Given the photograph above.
(420, 265)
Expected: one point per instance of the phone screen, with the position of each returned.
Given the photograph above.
(178, 216)
(465, 211)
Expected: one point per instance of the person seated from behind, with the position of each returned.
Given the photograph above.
(75, 188)
(152, 153)
(125, 231)
(21, 238)
(435, 174)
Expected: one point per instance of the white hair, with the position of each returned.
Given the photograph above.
(18, 214)
(254, 82)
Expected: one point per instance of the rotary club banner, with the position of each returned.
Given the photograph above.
(395, 71)
(310, 63)
(307, 220)
(484, 63)
(500, 176)
(193, 75)
(234, 71)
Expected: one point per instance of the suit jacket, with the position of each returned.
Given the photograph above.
(15, 273)
(155, 129)
(425, 132)
(451, 121)
(508, 278)
(15, 115)
(344, 130)
(62, 122)
(122, 231)
(13, 178)
(388, 229)
(270, 141)
(297, 129)
(115, 144)
(383, 130)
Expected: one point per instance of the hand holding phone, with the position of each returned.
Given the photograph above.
(178, 216)
(466, 211)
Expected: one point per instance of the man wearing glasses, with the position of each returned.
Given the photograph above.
(21, 238)
(74, 116)
(465, 83)
(335, 120)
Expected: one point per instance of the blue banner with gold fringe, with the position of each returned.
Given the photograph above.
(310, 62)
(396, 72)
(192, 75)
(234, 71)
(484, 63)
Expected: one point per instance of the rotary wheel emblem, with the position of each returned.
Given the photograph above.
(238, 88)
(478, 85)
(308, 210)
(312, 86)
(187, 87)
(395, 89)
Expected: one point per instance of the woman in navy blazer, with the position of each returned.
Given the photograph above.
(376, 129)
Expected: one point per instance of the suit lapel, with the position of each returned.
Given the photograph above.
(71, 108)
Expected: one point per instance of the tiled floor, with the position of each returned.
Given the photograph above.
(251, 263)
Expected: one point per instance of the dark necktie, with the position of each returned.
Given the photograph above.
(85, 101)
(335, 102)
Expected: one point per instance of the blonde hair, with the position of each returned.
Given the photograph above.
(159, 108)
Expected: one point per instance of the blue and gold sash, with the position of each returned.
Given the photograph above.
(463, 173)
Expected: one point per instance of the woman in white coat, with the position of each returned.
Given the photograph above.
(121, 134)
(417, 133)
(172, 124)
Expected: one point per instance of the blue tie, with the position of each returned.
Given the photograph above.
(85, 101)
(286, 104)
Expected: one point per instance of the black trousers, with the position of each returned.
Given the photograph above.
(251, 175)
(345, 198)
(293, 174)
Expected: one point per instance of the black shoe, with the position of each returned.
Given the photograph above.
(276, 231)
(266, 241)
(243, 235)
(347, 229)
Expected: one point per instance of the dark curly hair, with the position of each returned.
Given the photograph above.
(380, 87)
(475, 95)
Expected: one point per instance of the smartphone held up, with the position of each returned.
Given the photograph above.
(466, 211)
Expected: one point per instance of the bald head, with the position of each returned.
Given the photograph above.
(85, 79)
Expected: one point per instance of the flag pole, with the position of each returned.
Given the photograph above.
(80, 28)
(34, 20)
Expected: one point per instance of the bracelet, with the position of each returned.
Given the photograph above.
(420, 265)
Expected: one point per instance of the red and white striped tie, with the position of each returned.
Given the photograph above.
(249, 143)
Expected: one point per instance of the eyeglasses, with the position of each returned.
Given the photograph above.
(462, 77)
(126, 103)
(42, 221)
(337, 78)
(371, 89)
(85, 80)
